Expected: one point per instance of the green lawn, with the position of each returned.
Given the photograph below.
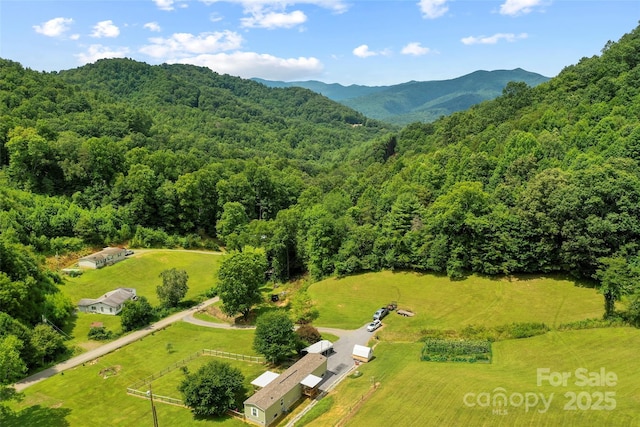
(82, 393)
(142, 272)
(416, 393)
(411, 392)
(439, 302)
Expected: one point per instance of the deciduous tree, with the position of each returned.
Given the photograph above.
(275, 338)
(136, 314)
(241, 274)
(174, 287)
(213, 389)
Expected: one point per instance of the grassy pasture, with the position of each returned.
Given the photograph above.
(411, 392)
(440, 303)
(142, 272)
(416, 393)
(83, 393)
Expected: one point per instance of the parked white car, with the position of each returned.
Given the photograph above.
(374, 325)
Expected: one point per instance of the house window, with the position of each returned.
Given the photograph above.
(281, 402)
(102, 309)
(93, 307)
(110, 310)
(254, 412)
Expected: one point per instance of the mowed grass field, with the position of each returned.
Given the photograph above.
(411, 392)
(440, 303)
(82, 396)
(142, 272)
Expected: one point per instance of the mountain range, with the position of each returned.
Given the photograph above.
(415, 101)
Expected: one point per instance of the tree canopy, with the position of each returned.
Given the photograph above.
(241, 275)
(215, 388)
(275, 338)
(173, 288)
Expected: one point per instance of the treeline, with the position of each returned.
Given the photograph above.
(542, 179)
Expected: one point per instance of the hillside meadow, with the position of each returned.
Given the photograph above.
(142, 272)
(407, 386)
(85, 393)
(441, 303)
(411, 392)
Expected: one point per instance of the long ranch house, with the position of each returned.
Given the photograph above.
(281, 392)
(109, 303)
(107, 256)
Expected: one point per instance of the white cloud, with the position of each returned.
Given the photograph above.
(74, 36)
(432, 9)
(338, 6)
(54, 27)
(415, 49)
(250, 64)
(98, 51)
(519, 7)
(105, 29)
(164, 4)
(363, 51)
(510, 37)
(273, 20)
(153, 26)
(215, 17)
(185, 44)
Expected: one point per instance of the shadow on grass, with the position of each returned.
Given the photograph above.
(37, 416)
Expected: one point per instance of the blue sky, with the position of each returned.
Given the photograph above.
(369, 42)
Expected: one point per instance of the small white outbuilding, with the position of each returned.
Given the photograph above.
(362, 353)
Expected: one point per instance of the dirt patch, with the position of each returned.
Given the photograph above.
(214, 311)
(111, 371)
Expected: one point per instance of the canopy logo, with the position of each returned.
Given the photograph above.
(500, 401)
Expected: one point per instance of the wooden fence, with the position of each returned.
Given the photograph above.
(156, 397)
(234, 356)
(134, 389)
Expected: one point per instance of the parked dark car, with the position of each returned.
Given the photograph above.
(379, 315)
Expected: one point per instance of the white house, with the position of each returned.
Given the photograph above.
(107, 256)
(109, 303)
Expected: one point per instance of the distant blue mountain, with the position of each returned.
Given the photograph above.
(418, 101)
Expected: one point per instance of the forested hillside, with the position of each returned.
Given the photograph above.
(414, 101)
(542, 179)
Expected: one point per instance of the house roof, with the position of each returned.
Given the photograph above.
(112, 299)
(290, 378)
(264, 379)
(102, 254)
(319, 347)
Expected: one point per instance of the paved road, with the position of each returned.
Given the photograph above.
(109, 347)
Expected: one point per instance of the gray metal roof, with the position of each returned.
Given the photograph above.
(112, 299)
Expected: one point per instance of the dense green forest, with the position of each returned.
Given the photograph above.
(539, 180)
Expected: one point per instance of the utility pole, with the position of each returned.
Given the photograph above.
(153, 407)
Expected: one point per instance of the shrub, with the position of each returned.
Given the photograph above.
(308, 334)
(100, 333)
